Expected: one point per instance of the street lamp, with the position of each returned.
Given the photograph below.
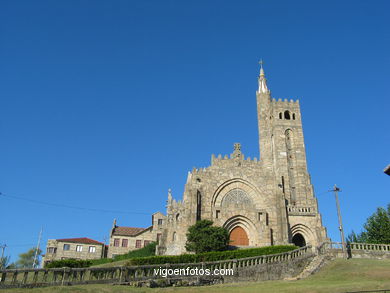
(387, 170)
(344, 248)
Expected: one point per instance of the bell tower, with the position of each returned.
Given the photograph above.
(283, 154)
(289, 153)
(282, 147)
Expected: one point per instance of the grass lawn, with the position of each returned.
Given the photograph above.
(338, 276)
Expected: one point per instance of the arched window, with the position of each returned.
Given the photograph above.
(174, 236)
(293, 116)
(177, 217)
(237, 197)
(287, 115)
(289, 138)
(198, 206)
(280, 115)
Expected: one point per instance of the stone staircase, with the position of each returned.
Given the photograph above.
(314, 266)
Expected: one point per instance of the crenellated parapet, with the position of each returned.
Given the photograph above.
(285, 102)
(286, 110)
(222, 161)
(236, 158)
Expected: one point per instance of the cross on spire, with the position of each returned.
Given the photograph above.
(261, 67)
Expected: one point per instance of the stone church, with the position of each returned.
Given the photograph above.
(260, 202)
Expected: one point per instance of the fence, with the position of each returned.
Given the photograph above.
(124, 274)
(355, 250)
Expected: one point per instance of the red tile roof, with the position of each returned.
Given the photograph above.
(82, 240)
(127, 231)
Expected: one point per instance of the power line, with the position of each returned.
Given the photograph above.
(21, 245)
(322, 193)
(60, 205)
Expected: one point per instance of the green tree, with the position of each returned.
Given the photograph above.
(26, 260)
(353, 237)
(376, 228)
(204, 237)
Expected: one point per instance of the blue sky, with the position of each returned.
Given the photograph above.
(107, 104)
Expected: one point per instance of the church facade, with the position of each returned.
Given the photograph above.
(260, 202)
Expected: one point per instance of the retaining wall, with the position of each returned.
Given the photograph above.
(267, 267)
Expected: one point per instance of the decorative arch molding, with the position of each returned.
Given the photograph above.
(304, 231)
(236, 183)
(243, 222)
(236, 196)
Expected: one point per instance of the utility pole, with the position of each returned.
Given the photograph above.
(2, 254)
(36, 250)
(336, 195)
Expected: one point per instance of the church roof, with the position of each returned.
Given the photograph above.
(128, 231)
(83, 240)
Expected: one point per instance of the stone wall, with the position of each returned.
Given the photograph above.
(151, 234)
(145, 237)
(355, 250)
(271, 271)
(266, 267)
(366, 250)
(84, 252)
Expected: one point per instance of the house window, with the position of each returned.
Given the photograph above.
(138, 243)
(116, 242)
(146, 242)
(51, 249)
(92, 249)
(158, 238)
(124, 242)
(160, 222)
(217, 212)
(66, 246)
(79, 248)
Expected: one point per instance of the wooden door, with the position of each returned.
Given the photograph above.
(238, 237)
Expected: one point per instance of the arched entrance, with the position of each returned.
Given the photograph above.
(299, 240)
(238, 237)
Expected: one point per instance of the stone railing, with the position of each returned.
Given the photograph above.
(368, 250)
(370, 246)
(301, 210)
(129, 274)
(355, 250)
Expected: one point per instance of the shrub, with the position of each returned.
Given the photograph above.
(70, 263)
(203, 237)
(210, 256)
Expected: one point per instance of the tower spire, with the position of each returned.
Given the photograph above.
(262, 80)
